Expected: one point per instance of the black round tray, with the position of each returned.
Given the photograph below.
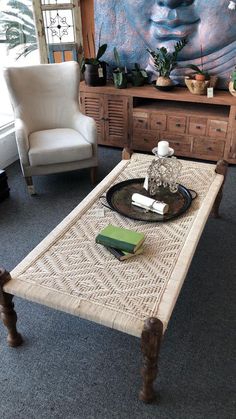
(119, 199)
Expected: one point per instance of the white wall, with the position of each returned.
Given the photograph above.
(8, 149)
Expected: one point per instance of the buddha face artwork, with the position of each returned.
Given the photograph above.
(209, 26)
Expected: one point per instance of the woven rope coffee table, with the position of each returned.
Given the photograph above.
(70, 272)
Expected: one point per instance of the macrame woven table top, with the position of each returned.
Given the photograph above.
(70, 272)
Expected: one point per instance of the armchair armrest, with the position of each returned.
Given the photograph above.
(22, 141)
(85, 126)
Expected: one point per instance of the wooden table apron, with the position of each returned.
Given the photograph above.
(68, 271)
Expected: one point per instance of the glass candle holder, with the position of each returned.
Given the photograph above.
(165, 172)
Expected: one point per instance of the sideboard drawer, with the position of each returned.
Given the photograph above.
(158, 121)
(176, 124)
(180, 148)
(144, 140)
(166, 136)
(180, 143)
(140, 120)
(217, 129)
(197, 126)
(208, 147)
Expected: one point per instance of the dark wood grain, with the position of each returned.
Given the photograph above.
(221, 168)
(7, 312)
(150, 344)
(93, 175)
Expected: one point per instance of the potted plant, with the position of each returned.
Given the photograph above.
(165, 62)
(199, 80)
(119, 74)
(138, 75)
(199, 73)
(95, 69)
(232, 83)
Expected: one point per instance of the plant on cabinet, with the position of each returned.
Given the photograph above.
(138, 75)
(95, 69)
(232, 83)
(119, 74)
(165, 62)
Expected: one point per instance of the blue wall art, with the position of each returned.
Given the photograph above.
(132, 26)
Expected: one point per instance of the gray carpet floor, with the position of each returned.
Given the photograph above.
(71, 368)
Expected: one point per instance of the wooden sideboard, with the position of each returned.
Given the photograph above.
(137, 118)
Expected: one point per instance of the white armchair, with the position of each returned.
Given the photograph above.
(52, 134)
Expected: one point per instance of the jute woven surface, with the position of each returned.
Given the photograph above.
(70, 272)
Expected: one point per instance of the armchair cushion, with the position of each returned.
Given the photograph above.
(60, 145)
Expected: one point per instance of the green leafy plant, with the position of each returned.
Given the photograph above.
(18, 23)
(198, 70)
(165, 62)
(138, 73)
(119, 73)
(233, 77)
(97, 59)
(119, 67)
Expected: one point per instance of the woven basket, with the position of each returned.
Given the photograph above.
(197, 87)
(231, 88)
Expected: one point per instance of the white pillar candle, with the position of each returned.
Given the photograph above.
(163, 148)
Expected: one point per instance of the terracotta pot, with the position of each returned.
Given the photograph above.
(200, 77)
(231, 88)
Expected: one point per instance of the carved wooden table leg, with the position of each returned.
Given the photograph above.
(150, 345)
(221, 168)
(7, 312)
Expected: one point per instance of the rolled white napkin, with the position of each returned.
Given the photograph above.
(149, 203)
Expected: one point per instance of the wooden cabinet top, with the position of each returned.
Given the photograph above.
(180, 94)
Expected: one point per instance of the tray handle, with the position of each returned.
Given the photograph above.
(105, 204)
(193, 193)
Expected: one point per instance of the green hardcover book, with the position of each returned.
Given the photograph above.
(120, 238)
(121, 254)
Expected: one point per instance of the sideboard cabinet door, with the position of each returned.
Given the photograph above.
(92, 104)
(111, 115)
(116, 120)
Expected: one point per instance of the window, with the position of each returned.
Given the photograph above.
(18, 45)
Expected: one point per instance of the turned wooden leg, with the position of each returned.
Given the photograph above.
(150, 344)
(30, 186)
(7, 312)
(221, 168)
(126, 153)
(93, 175)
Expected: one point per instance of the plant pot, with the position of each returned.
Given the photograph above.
(200, 77)
(96, 74)
(164, 81)
(137, 78)
(197, 87)
(120, 80)
(231, 88)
